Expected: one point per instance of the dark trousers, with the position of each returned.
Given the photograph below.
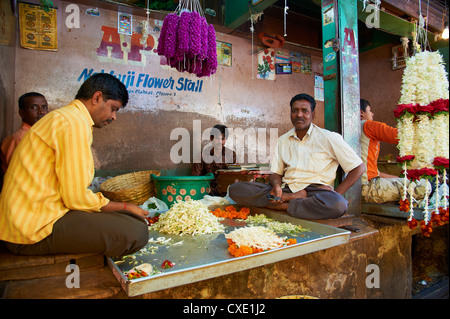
(319, 204)
(110, 233)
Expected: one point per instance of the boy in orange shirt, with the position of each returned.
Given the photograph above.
(379, 187)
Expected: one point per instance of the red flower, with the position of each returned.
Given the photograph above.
(440, 105)
(266, 51)
(413, 174)
(440, 162)
(428, 172)
(412, 223)
(416, 174)
(436, 219)
(411, 108)
(271, 66)
(425, 108)
(167, 264)
(404, 205)
(427, 229)
(406, 158)
(444, 214)
(269, 59)
(399, 110)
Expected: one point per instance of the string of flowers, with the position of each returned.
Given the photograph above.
(422, 122)
(187, 41)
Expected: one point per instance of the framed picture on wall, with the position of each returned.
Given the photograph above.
(124, 23)
(224, 53)
(283, 68)
(399, 55)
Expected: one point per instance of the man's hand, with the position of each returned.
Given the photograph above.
(277, 192)
(135, 209)
(117, 206)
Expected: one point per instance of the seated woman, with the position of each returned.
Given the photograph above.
(218, 157)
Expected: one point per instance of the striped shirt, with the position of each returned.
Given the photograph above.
(48, 175)
(313, 159)
(372, 133)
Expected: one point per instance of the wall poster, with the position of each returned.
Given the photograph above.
(224, 53)
(301, 63)
(124, 23)
(38, 29)
(319, 87)
(266, 64)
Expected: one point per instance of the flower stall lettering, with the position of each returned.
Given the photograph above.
(188, 85)
(143, 81)
(153, 82)
(117, 47)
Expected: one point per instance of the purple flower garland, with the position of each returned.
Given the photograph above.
(189, 43)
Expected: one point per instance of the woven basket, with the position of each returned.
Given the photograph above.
(132, 188)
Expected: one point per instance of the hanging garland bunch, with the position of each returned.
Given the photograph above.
(187, 41)
(423, 125)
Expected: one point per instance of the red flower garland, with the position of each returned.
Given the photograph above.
(440, 162)
(434, 107)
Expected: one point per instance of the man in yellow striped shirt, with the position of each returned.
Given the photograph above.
(45, 205)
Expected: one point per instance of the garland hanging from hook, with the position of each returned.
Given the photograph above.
(187, 41)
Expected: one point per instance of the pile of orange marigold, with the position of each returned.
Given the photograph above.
(231, 212)
(246, 250)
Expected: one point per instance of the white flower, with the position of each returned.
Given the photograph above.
(406, 134)
(424, 79)
(440, 130)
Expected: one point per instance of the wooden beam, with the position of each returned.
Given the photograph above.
(432, 10)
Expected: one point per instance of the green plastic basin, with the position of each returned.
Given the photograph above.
(171, 189)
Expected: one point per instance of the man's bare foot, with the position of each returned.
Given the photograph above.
(286, 197)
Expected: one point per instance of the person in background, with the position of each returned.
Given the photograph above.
(218, 158)
(380, 187)
(32, 107)
(46, 206)
(304, 169)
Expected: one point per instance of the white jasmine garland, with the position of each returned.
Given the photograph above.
(424, 135)
(424, 79)
(436, 193)
(405, 126)
(426, 212)
(440, 130)
(411, 201)
(405, 181)
(424, 147)
(445, 190)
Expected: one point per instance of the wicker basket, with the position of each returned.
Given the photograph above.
(132, 188)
